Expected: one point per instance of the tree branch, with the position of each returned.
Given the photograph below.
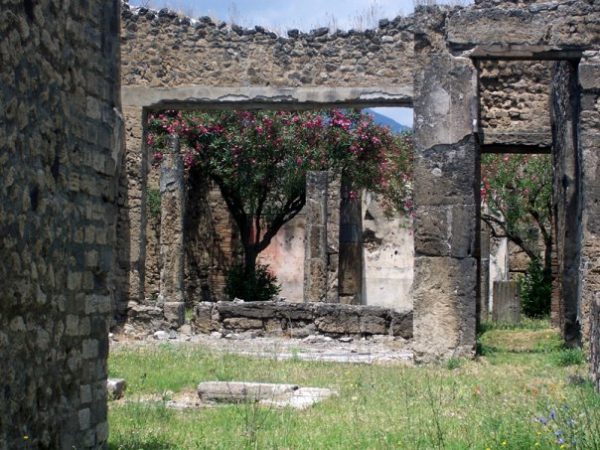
(517, 240)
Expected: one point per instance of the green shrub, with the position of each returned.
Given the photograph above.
(535, 290)
(260, 287)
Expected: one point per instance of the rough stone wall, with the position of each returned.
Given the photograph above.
(301, 319)
(524, 28)
(59, 153)
(166, 50)
(515, 102)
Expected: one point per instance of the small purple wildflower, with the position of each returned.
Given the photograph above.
(560, 441)
(542, 420)
(553, 415)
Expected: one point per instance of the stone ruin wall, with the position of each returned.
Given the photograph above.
(162, 50)
(300, 320)
(165, 50)
(59, 154)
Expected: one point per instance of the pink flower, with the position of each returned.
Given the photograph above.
(188, 160)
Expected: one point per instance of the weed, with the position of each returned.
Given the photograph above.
(453, 363)
(568, 357)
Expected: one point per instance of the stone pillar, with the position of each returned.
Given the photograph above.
(507, 304)
(333, 236)
(131, 224)
(351, 248)
(172, 204)
(484, 275)
(589, 151)
(446, 192)
(315, 256)
(566, 193)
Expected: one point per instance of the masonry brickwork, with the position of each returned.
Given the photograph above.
(60, 152)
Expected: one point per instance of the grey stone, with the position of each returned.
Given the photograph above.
(161, 335)
(116, 388)
(301, 398)
(238, 392)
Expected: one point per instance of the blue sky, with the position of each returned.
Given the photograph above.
(282, 15)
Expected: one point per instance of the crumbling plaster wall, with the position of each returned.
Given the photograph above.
(59, 155)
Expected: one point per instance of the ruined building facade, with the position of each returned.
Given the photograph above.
(73, 201)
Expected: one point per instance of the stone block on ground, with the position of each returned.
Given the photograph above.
(266, 394)
(239, 391)
(116, 388)
(301, 398)
(507, 304)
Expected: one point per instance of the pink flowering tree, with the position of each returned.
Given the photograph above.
(517, 201)
(259, 161)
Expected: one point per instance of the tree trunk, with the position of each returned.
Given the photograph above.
(250, 256)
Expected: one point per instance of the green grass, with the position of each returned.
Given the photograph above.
(492, 402)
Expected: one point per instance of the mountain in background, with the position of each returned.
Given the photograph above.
(380, 119)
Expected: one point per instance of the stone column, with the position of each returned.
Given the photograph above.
(131, 223)
(315, 256)
(446, 192)
(589, 151)
(333, 236)
(566, 198)
(172, 204)
(484, 275)
(351, 249)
